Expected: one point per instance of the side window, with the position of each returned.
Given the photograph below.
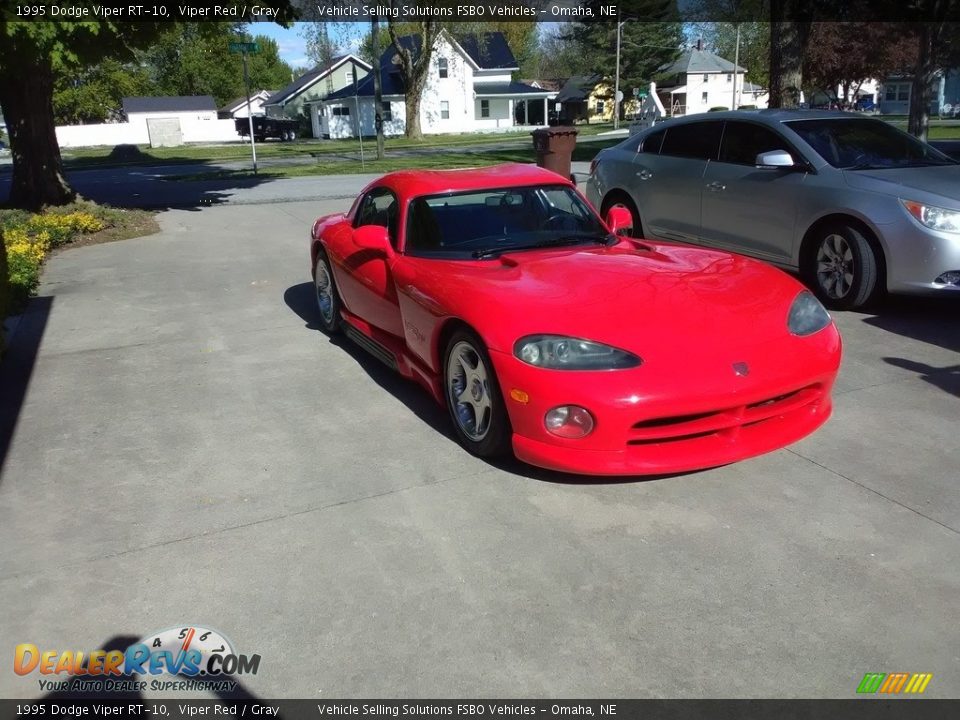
(697, 140)
(379, 207)
(742, 142)
(652, 142)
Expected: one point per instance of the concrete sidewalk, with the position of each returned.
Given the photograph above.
(189, 449)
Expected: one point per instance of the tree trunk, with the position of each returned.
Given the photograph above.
(4, 290)
(27, 101)
(412, 103)
(922, 79)
(787, 45)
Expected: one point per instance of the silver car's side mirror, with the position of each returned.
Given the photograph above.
(775, 159)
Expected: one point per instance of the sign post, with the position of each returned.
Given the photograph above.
(243, 48)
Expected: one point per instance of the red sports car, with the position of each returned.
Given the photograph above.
(546, 332)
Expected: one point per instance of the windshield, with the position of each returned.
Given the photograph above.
(863, 144)
(485, 223)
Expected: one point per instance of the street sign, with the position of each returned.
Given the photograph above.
(619, 96)
(244, 47)
(642, 95)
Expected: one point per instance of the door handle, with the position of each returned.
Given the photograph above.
(644, 174)
(716, 186)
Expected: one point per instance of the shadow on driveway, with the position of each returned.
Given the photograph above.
(17, 368)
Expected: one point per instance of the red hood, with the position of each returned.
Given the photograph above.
(701, 300)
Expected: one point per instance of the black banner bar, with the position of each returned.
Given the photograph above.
(287, 11)
(177, 709)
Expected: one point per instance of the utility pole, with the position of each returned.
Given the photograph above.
(243, 48)
(377, 89)
(616, 86)
(736, 64)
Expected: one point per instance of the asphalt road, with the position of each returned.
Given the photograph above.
(188, 449)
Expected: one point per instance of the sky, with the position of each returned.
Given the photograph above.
(293, 46)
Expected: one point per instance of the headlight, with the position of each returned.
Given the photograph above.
(557, 352)
(807, 315)
(935, 218)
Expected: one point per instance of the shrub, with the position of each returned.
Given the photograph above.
(28, 238)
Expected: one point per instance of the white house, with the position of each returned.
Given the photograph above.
(699, 80)
(468, 89)
(297, 98)
(237, 108)
(188, 108)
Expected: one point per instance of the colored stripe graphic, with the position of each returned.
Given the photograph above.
(918, 683)
(871, 682)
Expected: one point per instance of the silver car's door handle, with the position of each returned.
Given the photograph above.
(716, 186)
(644, 174)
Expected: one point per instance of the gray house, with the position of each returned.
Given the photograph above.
(896, 89)
(295, 99)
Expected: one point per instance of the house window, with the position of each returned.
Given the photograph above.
(484, 108)
(442, 67)
(600, 107)
(340, 110)
(896, 92)
(703, 98)
(444, 110)
(351, 75)
(706, 77)
(729, 77)
(386, 113)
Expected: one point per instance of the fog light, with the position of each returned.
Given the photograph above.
(569, 421)
(949, 278)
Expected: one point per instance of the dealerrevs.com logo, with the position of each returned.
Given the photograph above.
(200, 658)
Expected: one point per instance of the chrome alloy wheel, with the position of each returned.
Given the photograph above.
(468, 391)
(324, 288)
(835, 266)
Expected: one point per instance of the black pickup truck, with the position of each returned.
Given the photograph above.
(268, 127)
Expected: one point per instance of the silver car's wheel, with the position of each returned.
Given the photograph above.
(473, 397)
(325, 289)
(842, 267)
(468, 391)
(835, 266)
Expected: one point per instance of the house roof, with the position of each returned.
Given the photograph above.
(578, 88)
(187, 103)
(306, 80)
(491, 54)
(509, 88)
(236, 103)
(551, 85)
(699, 61)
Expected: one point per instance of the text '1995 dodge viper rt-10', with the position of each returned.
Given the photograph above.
(548, 333)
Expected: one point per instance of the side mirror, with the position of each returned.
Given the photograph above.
(619, 219)
(373, 237)
(776, 159)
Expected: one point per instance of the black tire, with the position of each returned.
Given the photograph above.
(841, 267)
(328, 298)
(495, 441)
(623, 200)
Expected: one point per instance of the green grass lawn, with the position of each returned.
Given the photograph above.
(101, 156)
(437, 161)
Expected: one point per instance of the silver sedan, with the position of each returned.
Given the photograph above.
(851, 203)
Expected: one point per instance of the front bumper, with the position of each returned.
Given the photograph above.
(916, 256)
(651, 423)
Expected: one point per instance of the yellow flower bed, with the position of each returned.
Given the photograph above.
(29, 240)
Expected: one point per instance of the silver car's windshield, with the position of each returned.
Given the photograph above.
(864, 144)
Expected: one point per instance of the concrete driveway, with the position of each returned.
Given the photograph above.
(189, 449)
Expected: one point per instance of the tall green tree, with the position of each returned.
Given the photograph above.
(95, 94)
(651, 36)
(32, 56)
(754, 53)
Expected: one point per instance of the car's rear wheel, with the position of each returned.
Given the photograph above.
(842, 267)
(621, 199)
(473, 397)
(325, 289)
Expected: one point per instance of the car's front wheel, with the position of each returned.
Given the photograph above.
(473, 397)
(842, 267)
(325, 289)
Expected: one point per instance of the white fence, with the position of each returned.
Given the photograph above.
(136, 133)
